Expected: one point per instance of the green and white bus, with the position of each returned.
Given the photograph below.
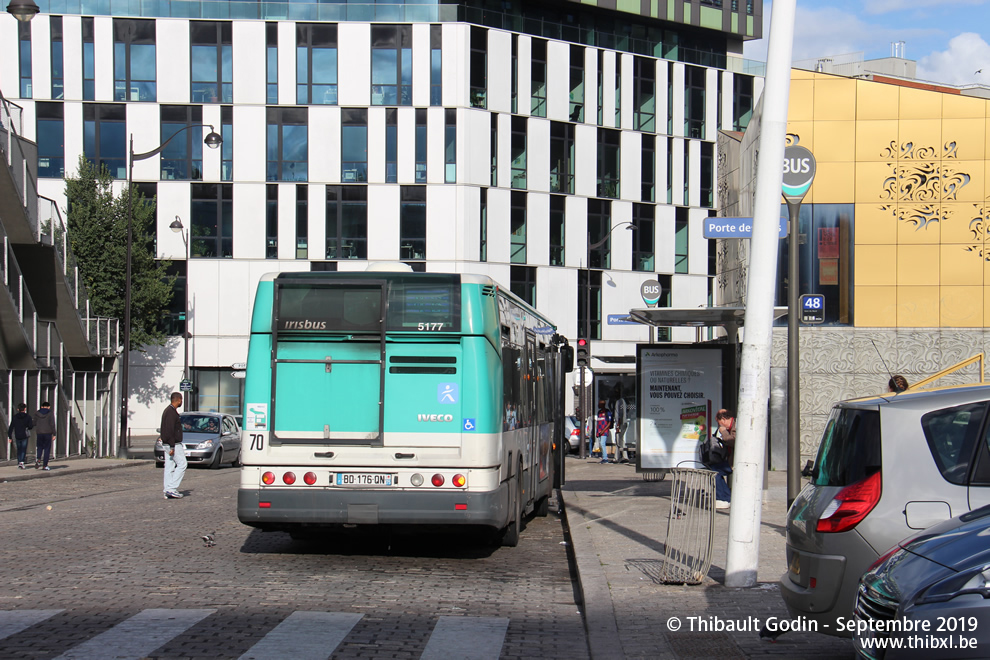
(398, 398)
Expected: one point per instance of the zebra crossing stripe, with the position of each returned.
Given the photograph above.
(14, 622)
(309, 635)
(138, 636)
(477, 638)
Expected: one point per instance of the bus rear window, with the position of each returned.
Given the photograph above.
(422, 306)
(850, 448)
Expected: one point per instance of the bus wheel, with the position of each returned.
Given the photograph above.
(510, 538)
(543, 506)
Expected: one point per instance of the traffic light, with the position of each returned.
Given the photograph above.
(582, 352)
(567, 358)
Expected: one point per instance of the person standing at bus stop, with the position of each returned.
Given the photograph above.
(175, 451)
(619, 423)
(603, 435)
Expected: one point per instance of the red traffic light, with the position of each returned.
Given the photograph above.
(582, 342)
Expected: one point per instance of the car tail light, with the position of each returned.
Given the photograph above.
(268, 478)
(309, 478)
(458, 480)
(437, 480)
(288, 478)
(851, 505)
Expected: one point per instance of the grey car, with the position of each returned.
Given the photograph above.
(209, 438)
(887, 467)
(929, 596)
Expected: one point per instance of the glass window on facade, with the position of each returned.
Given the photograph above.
(518, 166)
(538, 78)
(608, 162)
(58, 59)
(670, 170)
(51, 140)
(479, 67)
(517, 225)
(421, 145)
(483, 226)
(644, 226)
(648, 169)
(88, 59)
(175, 321)
(271, 63)
(288, 144)
(618, 91)
(522, 282)
(391, 65)
(557, 230)
(182, 157)
(645, 91)
(436, 65)
(825, 258)
(302, 221)
(494, 150)
(347, 222)
(708, 174)
(211, 46)
(316, 63)
(450, 146)
(412, 223)
(271, 221)
(742, 101)
(227, 148)
(24, 58)
(104, 137)
(391, 145)
(561, 157)
(354, 145)
(599, 233)
(694, 102)
(680, 240)
(589, 307)
(601, 87)
(212, 211)
(576, 78)
(134, 60)
(514, 72)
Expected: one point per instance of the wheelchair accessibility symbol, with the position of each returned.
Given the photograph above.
(468, 424)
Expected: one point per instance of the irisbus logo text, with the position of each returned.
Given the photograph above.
(304, 325)
(434, 418)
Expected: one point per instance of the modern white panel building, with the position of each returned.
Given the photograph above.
(523, 140)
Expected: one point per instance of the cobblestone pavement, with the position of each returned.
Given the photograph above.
(104, 547)
(618, 523)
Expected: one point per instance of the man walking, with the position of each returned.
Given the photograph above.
(44, 421)
(20, 432)
(175, 452)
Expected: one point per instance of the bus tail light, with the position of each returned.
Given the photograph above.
(458, 480)
(437, 480)
(309, 478)
(268, 478)
(288, 478)
(416, 479)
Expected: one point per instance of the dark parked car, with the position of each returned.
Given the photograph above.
(210, 439)
(933, 587)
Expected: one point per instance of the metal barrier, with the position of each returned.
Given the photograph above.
(690, 527)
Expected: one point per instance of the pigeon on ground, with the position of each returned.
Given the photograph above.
(209, 540)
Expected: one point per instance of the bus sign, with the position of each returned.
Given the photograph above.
(812, 308)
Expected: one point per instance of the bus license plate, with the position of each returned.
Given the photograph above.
(362, 479)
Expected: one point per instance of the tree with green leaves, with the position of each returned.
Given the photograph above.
(97, 221)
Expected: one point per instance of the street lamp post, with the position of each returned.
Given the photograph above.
(212, 140)
(22, 10)
(177, 227)
(583, 402)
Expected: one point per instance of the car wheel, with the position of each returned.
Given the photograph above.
(217, 459)
(237, 460)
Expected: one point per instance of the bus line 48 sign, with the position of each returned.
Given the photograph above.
(812, 308)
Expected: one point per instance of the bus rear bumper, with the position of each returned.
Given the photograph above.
(283, 509)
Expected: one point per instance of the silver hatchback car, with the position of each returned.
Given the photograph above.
(887, 467)
(209, 438)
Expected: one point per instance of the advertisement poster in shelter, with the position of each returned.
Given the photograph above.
(680, 390)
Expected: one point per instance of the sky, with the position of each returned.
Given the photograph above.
(947, 38)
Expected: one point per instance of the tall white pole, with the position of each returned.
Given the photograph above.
(743, 551)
